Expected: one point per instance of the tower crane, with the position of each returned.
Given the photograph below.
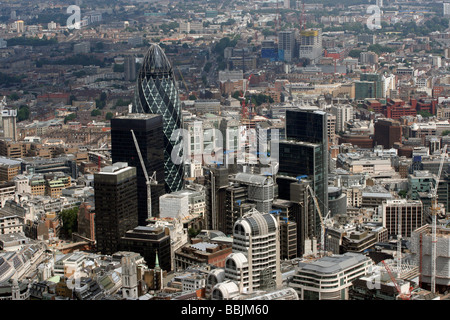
(184, 82)
(322, 220)
(148, 180)
(244, 107)
(434, 211)
(402, 296)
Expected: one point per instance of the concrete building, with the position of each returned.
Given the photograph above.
(82, 47)
(200, 253)
(387, 133)
(407, 213)
(9, 118)
(130, 68)
(311, 45)
(337, 201)
(260, 190)
(421, 250)
(173, 206)
(329, 278)
(149, 241)
(286, 45)
(343, 113)
(254, 264)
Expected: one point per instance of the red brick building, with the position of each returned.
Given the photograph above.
(424, 104)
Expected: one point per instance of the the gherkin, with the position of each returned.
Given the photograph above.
(156, 92)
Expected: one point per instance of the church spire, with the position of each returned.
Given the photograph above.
(157, 267)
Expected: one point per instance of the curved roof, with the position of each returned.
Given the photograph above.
(239, 259)
(253, 178)
(155, 61)
(228, 289)
(256, 223)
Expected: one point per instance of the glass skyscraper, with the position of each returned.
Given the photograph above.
(156, 93)
(148, 129)
(305, 151)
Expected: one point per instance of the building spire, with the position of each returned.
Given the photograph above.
(157, 267)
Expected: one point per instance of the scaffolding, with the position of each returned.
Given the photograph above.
(421, 251)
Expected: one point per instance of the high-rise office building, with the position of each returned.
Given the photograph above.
(115, 205)
(255, 263)
(370, 85)
(156, 92)
(130, 68)
(405, 213)
(387, 132)
(20, 24)
(9, 124)
(343, 113)
(148, 129)
(286, 45)
(311, 45)
(446, 7)
(216, 185)
(368, 58)
(305, 151)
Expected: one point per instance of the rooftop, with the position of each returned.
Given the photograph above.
(333, 264)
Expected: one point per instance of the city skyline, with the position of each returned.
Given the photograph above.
(234, 153)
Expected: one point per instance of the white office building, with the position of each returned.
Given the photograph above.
(254, 263)
(329, 278)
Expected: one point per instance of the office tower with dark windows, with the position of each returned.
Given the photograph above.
(305, 153)
(115, 205)
(148, 129)
(130, 68)
(216, 194)
(149, 241)
(156, 93)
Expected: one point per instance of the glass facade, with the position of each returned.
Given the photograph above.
(148, 129)
(306, 151)
(156, 93)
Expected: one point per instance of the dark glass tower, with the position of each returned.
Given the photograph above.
(115, 205)
(148, 129)
(305, 151)
(156, 93)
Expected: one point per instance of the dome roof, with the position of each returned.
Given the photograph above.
(155, 61)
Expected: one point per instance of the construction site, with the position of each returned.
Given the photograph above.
(421, 253)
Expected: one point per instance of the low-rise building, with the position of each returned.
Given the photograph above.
(330, 277)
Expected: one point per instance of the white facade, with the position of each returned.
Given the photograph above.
(173, 206)
(254, 263)
(343, 113)
(329, 278)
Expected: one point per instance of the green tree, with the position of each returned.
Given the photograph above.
(70, 117)
(109, 116)
(425, 114)
(193, 232)
(69, 219)
(354, 53)
(96, 112)
(23, 113)
(402, 193)
(13, 96)
(236, 94)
